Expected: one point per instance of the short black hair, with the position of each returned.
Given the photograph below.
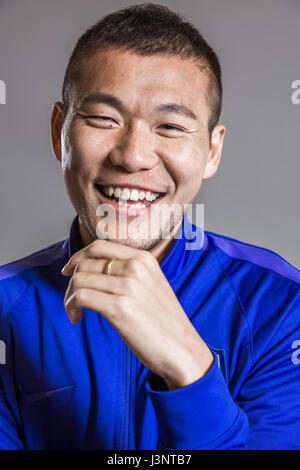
(148, 29)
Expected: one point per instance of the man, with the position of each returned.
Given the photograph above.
(117, 339)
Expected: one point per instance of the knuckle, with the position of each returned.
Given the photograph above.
(79, 295)
(96, 245)
(146, 257)
(134, 266)
(137, 264)
(98, 242)
(83, 265)
(129, 285)
(121, 305)
(77, 278)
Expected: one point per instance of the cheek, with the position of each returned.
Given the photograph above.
(186, 163)
(86, 149)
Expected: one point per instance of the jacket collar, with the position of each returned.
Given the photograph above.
(74, 241)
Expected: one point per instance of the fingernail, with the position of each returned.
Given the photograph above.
(75, 316)
(64, 269)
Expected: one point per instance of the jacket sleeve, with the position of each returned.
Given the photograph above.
(266, 411)
(201, 415)
(10, 434)
(270, 394)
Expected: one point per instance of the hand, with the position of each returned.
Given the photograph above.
(138, 301)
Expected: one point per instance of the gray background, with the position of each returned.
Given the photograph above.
(254, 196)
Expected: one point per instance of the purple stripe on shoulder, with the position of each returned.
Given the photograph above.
(255, 254)
(42, 257)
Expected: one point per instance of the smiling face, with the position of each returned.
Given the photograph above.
(135, 122)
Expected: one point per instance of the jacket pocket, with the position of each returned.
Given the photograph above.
(28, 398)
(48, 417)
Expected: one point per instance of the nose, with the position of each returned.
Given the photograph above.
(134, 150)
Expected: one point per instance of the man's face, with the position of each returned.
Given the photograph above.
(137, 122)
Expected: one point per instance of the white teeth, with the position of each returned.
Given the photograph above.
(135, 206)
(132, 194)
(125, 194)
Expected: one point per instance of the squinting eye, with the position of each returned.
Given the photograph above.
(171, 128)
(104, 118)
(102, 122)
(168, 130)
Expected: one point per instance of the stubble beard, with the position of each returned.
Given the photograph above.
(166, 230)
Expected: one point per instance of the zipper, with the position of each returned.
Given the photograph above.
(124, 436)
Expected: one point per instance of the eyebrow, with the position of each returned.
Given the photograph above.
(177, 109)
(107, 98)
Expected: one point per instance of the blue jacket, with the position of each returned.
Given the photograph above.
(66, 386)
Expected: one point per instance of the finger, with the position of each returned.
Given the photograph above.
(102, 282)
(117, 267)
(100, 249)
(92, 299)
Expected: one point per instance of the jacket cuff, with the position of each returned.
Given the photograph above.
(195, 415)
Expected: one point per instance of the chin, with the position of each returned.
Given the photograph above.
(127, 236)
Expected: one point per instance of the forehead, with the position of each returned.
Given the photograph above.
(143, 80)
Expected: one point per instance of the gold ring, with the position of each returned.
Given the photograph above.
(108, 265)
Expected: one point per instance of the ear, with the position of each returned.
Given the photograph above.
(57, 120)
(215, 151)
